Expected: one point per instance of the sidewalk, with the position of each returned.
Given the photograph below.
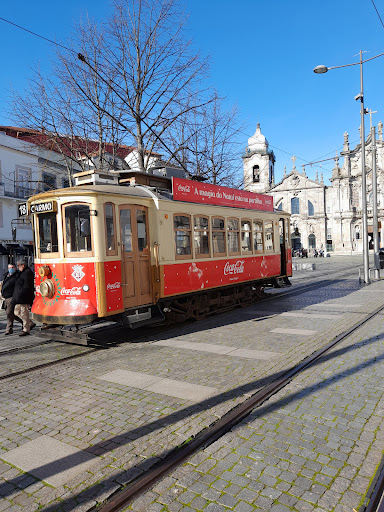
(72, 434)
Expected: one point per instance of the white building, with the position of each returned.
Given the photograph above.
(25, 168)
(323, 217)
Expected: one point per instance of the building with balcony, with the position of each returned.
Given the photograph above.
(327, 217)
(25, 169)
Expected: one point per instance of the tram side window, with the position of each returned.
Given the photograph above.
(182, 228)
(233, 236)
(218, 236)
(78, 228)
(246, 236)
(110, 233)
(258, 244)
(201, 236)
(48, 233)
(268, 231)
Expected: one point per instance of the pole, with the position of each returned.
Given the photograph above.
(374, 195)
(363, 178)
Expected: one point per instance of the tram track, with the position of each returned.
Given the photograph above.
(219, 428)
(90, 349)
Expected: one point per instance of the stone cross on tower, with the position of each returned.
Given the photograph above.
(293, 160)
(370, 115)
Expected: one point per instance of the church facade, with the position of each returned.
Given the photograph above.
(323, 217)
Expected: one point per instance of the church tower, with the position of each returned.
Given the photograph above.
(258, 162)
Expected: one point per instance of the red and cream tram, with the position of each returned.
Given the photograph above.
(136, 253)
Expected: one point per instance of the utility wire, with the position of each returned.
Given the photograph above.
(37, 35)
(377, 12)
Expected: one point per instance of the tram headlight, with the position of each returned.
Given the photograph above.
(47, 289)
(85, 288)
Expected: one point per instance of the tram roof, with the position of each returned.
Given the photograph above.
(119, 190)
(137, 191)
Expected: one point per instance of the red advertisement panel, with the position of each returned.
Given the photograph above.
(186, 277)
(74, 290)
(113, 291)
(196, 192)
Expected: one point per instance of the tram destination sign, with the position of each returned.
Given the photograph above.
(205, 193)
(46, 207)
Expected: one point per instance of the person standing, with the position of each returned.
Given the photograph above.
(24, 295)
(7, 290)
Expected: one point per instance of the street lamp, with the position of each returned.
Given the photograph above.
(323, 69)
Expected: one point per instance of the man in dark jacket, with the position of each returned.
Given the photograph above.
(7, 290)
(24, 295)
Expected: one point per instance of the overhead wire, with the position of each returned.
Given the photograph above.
(377, 12)
(37, 35)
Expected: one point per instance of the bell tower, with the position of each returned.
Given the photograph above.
(259, 164)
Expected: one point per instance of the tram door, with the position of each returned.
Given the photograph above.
(135, 258)
(283, 248)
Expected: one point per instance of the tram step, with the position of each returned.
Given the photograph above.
(150, 315)
(281, 282)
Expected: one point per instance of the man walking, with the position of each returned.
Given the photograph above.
(7, 290)
(23, 295)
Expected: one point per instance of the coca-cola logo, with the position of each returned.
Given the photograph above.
(113, 286)
(234, 268)
(76, 290)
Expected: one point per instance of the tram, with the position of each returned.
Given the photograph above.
(141, 249)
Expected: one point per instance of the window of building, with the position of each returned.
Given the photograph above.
(218, 236)
(279, 206)
(182, 227)
(48, 242)
(295, 206)
(49, 181)
(110, 230)
(201, 236)
(233, 236)
(22, 187)
(246, 236)
(78, 228)
(311, 210)
(329, 234)
(357, 232)
(268, 233)
(256, 173)
(65, 182)
(258, 244)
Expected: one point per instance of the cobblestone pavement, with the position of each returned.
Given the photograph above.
(126, 429)
(315, 445)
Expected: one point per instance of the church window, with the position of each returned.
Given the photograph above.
(311, 210)
(256, 174)
(295, 207)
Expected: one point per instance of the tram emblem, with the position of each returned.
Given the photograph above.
(234, 268)
(78, 273)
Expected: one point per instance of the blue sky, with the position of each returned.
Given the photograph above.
(262, 56)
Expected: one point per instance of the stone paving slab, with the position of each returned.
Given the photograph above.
(129, 429)
(50, 460)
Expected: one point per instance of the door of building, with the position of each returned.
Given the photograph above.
(135, 257)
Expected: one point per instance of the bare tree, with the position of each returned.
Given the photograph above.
(206, 141)
(68, 108)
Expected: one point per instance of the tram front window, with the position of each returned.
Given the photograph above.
(48, 232)
(78, 228)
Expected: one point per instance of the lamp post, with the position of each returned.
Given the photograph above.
(360, 96)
